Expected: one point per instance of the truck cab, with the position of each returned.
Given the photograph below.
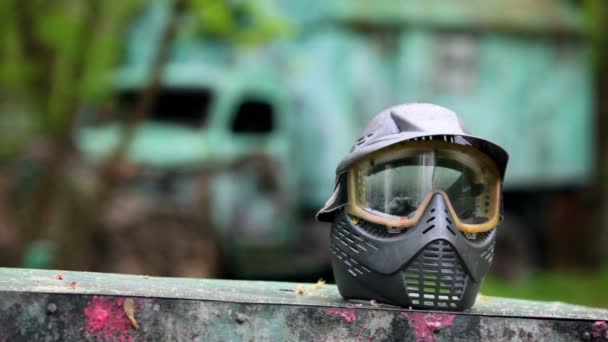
(215, 152)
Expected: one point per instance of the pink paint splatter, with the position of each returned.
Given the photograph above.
(600, 329)
(348, 314)
(425, 325)
(106, 319)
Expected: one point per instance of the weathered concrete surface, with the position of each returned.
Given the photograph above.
(53, 305)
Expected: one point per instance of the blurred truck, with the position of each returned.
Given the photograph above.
(248, 138)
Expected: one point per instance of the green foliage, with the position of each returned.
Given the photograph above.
(13, 69)
(104, 51)
(54, 56)
(571, 287)
(596, 13)
(241, 22)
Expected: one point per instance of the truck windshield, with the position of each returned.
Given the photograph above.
(181, 106)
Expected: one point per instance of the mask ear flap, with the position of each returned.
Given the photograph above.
(335, 202)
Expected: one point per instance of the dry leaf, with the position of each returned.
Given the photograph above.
(320, 283)
(484, 298)
(129, 307)
(301, 289)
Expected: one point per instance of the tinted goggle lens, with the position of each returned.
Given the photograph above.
(394, 186)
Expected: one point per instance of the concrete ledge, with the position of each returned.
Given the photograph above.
(56, 305)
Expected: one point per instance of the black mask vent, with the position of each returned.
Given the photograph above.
(436, 278)
(361, 141)
(488, 254)
(353, 267)
(351, 240)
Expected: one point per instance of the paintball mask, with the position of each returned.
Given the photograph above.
(415, 209)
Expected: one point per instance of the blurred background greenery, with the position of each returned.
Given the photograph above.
(199, 137)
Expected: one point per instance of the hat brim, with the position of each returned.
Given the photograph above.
(495, 152)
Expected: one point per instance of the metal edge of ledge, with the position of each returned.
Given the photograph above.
(257, 292)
